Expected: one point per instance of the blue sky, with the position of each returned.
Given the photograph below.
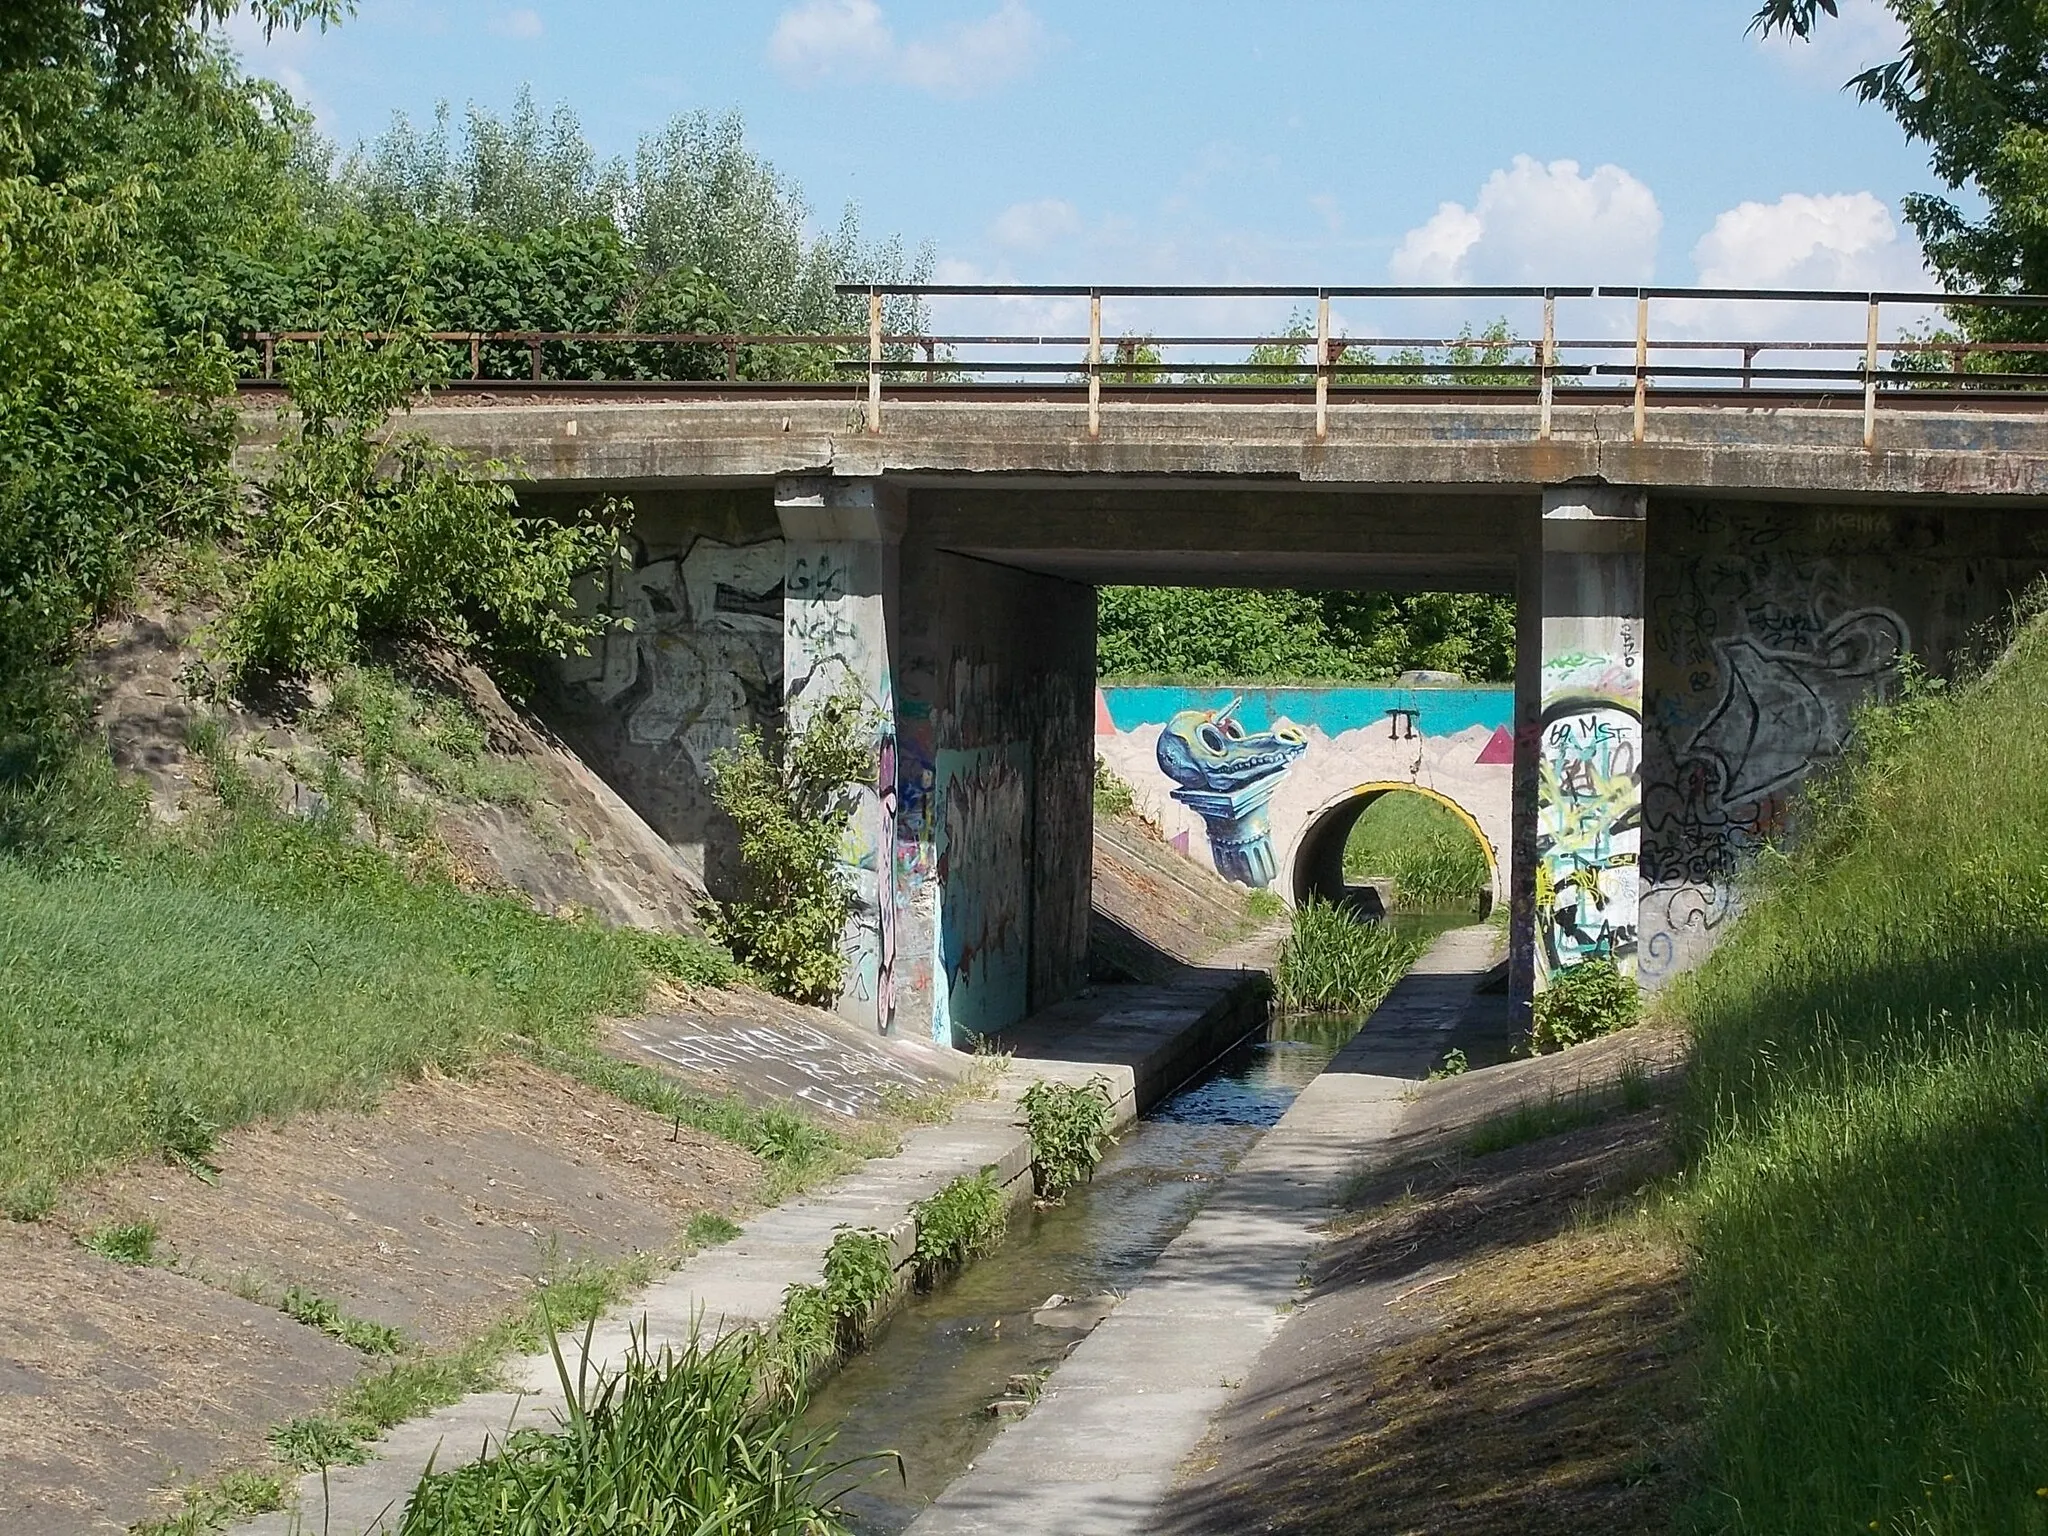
(1334, 141)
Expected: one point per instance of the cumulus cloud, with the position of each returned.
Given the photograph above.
(1536, 223)
(1034, 225)
(523, 24)
(852, 39)
(1843, 240)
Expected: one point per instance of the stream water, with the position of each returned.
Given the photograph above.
(923, 1387)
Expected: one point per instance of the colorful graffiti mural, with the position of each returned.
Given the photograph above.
(1190, 753)
(1226, 776)
(1589, 807)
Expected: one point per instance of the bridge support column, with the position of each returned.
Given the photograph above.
(1579, 770)
(842, 554)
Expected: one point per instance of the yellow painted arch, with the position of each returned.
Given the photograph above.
(1383, 786)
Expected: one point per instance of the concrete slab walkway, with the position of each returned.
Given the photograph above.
(1146, 1040)
(1098, 1452)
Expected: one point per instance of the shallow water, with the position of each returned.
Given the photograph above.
(923, 1387)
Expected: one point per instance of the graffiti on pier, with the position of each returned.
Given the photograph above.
(1767, 650)
(1227, 775)
(700, 656)
(983, 916)
(1588, 827)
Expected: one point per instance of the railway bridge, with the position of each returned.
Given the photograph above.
(1719, 550)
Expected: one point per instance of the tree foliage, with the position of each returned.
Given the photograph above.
(1971, 82)
(1247, 635)
(362, 538)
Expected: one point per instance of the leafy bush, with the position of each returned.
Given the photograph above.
(960, 1222)
(1068, 1126)
(795, 899)
(1583, 1002)
(361, 538)
(1334, 962)
(860, 1268)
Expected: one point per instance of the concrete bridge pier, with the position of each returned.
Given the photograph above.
(1580, 734)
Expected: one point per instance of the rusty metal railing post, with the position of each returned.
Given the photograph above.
(732, 359)
(533, 346)
(1642, 361)
(1546, 361)
(476, 356)
(874, 361)
(1749, 365)
(1322, 366)
(931, 362)
(269, 356)
(1870, 377)
(1095, 364)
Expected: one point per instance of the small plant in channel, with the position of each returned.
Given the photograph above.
(1069, 1126)
(1583, 1002)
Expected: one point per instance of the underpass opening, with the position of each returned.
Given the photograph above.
(1390, 845)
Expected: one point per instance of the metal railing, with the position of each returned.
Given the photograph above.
(1320, 364)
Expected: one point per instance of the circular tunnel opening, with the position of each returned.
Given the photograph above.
(1395, 847)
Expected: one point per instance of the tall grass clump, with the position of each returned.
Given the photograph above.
(1866, 1124)
(1334, 962)
(1424, 847)
(676, 1443)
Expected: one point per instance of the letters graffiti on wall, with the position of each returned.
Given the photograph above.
(1198, 757)
(1765, 652)
(1588, 811)
(703, 654)
(983, 888)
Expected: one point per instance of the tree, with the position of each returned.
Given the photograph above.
(1971, 81)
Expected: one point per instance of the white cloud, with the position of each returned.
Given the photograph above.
(523, 24)
(1842, 240)
(851, 39)
(1535, 223)
(1034, 225)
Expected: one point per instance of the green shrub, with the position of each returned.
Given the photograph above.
(1334, 962)
(1068, 1126)
(362, 537)
(960, 1222)
(1583, 1002)
(357, 1333)
(31, 1200)
(795, 899)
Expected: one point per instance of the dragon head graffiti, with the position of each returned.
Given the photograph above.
(1208, 749)
(1227, 774)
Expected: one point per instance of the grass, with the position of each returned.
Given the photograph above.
(1556, 1113)
(123, 1242)
(357, 1333)
(708, 1229)
(1866, 1120)
(1333, 962)
(678, 1440)
(156, 988)
(1423, 846)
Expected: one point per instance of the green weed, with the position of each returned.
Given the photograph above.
(1068, 1126)
(1454, 1064)
(124, 1242)
(707, 1229)
(1534, 1119)
(237, 1496)
(1333, 962)
(30, 1200)
(1582, 1003)
(860, 1270)
(960, 1222)
(357, 1333)
(1113, 797)
(1263, 906)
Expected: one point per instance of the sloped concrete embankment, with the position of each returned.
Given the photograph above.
(1144, 1040)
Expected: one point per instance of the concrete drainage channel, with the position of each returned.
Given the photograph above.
(1145, 1040)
